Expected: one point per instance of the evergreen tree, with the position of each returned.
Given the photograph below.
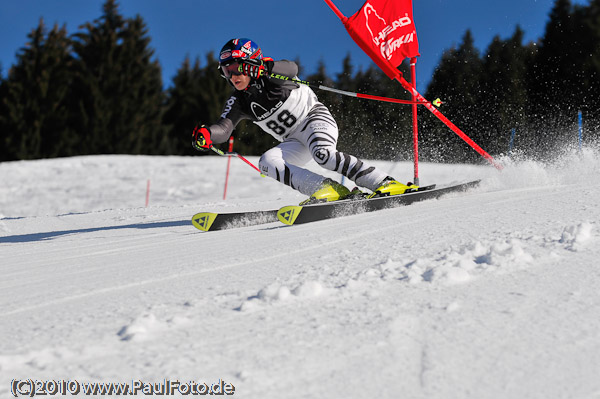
(552, 76)
(345, 79)
(386, 127)
(197, 96)
(504, 90)
(4, 152)
(118, 85)
(589, 39)
(347, 111)
(321, 75)
(457, 81)
(395, 120)
(35, 98)
(566, 73)
(181, 108)
(370, 129)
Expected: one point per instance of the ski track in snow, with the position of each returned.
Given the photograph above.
(492, 293)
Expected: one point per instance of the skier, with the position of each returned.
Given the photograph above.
(292, 114)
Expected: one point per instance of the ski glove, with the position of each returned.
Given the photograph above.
(201, 138)
(253, 68)
(256, 68)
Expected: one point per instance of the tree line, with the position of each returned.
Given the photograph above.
(536, 88)
(100, 91)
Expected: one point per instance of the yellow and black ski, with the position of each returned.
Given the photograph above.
(208, 221)
(292, 215)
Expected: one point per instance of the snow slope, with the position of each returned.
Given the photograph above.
(489, 294)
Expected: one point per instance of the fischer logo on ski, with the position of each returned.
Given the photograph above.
(208, 221)
(203, 221)
(288, 214)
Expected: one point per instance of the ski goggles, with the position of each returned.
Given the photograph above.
(230, 69)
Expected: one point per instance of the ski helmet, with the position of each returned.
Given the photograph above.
(236, 51)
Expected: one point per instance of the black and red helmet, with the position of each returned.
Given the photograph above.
(235, 52)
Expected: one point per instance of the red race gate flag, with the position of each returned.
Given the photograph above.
(394, 40)
(385, 30)
(387, 27)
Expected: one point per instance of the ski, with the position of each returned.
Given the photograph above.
(292, 215)
(208, 221)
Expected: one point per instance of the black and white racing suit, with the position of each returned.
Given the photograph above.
(292, 114)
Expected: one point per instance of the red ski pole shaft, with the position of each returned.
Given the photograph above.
(234, 154)
(228, 167)
(245, 160)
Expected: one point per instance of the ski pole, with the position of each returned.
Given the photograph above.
(228, 167)
(235, 154)
(318, 85)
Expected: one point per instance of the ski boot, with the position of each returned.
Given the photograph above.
(390, 186)
(329, 190)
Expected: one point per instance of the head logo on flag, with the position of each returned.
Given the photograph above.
(386, 31)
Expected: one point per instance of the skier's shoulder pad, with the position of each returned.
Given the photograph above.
(285, 68)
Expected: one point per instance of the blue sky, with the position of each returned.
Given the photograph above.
(307, 30)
